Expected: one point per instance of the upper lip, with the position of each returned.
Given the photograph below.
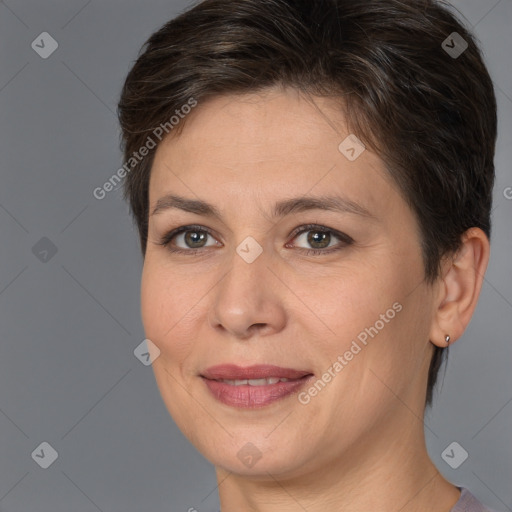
(258, 371)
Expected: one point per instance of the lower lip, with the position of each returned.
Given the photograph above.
(252, 397)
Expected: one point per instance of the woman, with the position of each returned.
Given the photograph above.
(312, 184)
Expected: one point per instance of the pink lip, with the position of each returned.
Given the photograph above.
(247, 396)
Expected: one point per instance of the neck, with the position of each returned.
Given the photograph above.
(387, 470)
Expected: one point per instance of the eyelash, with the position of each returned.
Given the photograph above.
(345, 239)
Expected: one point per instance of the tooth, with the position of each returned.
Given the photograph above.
(257, 382)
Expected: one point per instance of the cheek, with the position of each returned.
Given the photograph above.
(355, 297)
(374, 308)
(153, 302)
(167, 308)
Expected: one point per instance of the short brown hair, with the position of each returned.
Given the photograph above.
(429, 115)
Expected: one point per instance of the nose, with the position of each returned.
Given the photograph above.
(248, 300)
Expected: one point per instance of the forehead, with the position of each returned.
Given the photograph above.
(272, 144)
(266, 125)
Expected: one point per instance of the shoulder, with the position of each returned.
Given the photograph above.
(468, 503)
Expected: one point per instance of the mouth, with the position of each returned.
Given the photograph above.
(253, 382)
(233, 372)
(255, 386)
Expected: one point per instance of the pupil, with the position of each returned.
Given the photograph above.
(316, 237)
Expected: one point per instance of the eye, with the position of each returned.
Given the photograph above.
(188, 239)
(320, 238)
(192, 239)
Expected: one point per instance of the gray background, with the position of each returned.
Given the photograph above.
(69, 325)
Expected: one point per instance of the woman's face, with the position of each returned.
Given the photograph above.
(355, 315)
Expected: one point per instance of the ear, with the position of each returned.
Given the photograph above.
(459, 289)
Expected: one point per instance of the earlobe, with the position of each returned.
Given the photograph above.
(459, 288)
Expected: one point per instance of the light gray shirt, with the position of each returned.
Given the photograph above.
(468, 503)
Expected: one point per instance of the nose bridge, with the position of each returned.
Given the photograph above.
(247, 275)
(244, 296)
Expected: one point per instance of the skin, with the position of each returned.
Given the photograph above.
(358, 444)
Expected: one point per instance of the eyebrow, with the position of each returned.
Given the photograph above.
(281, 209)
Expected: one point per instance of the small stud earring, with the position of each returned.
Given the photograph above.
(447, 339)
